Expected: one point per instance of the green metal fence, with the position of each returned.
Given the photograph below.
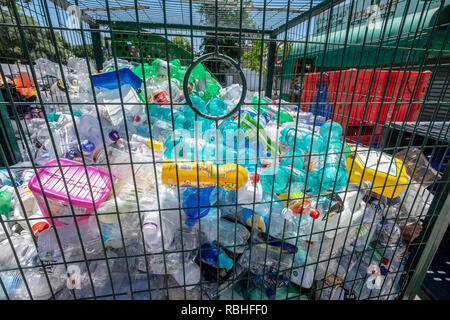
(367, 65)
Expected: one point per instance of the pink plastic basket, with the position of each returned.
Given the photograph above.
(78, 187)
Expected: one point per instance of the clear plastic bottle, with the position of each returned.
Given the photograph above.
(280, 217)
(227, 231)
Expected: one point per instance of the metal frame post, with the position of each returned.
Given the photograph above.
(8, 139)
(271, 65)
(440, 223)
(97, 47)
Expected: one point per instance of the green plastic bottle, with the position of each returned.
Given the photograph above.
(5, 203)
(250, 123)
(147, 74)
(284, 115)
(204, 84)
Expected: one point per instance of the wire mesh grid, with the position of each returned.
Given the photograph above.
(260, 239)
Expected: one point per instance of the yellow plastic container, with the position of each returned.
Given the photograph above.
(379, 169)
(207, 175)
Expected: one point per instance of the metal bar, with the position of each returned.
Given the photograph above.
(7, 136)
(150, 25)
(117, 8)
(97, 47)
(270, 65)
(321, 7)
(66, 4)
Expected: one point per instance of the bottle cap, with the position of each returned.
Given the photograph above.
(190, 222)
(39, 227)
(114, 135)
(314, 213)
(87, 145)
(254, 178)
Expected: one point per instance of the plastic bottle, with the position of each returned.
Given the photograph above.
(115, 235)
(365, 225)
(90, 136)
(216, 107)
(226, 176)
(152, 232)
(335, 169)
(66, 143)
(288, 135)
(305, 119)
(5, 178)
(279, 178)
(5, 203)
(279, 215)
(244, 197)
(321, 105)
(331, 130)
(231, 95)
(266, 259)
(227, 232)
(189, 149)
(317, 143)
(36, 219)
(308, 224)
(290, 159)
(191, 206)
(271, 110)
(161, 130)
(298, 202)
(173, 238)
(209, 254)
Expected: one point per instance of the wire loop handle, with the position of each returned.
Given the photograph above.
(188, 74)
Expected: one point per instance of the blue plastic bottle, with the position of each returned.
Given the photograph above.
(216, 107)
(189, 149)
(334, 168)
(332, 130)
(209, 254)
(321, 105)
(298, 159)
(228, 129)
(159, 112)
(317, 143)
(288, 136)
(282, 179)
(191, 205)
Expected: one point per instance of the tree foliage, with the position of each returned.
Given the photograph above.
(225, 43)
(38, 40)
(183, 43)
(253, 56)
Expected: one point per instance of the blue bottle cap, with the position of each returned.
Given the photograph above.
(190, 222)
(72, 154)
(87, 145)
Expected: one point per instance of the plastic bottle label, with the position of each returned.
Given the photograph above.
(333, 279)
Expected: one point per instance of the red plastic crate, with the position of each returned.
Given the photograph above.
(351, 92)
